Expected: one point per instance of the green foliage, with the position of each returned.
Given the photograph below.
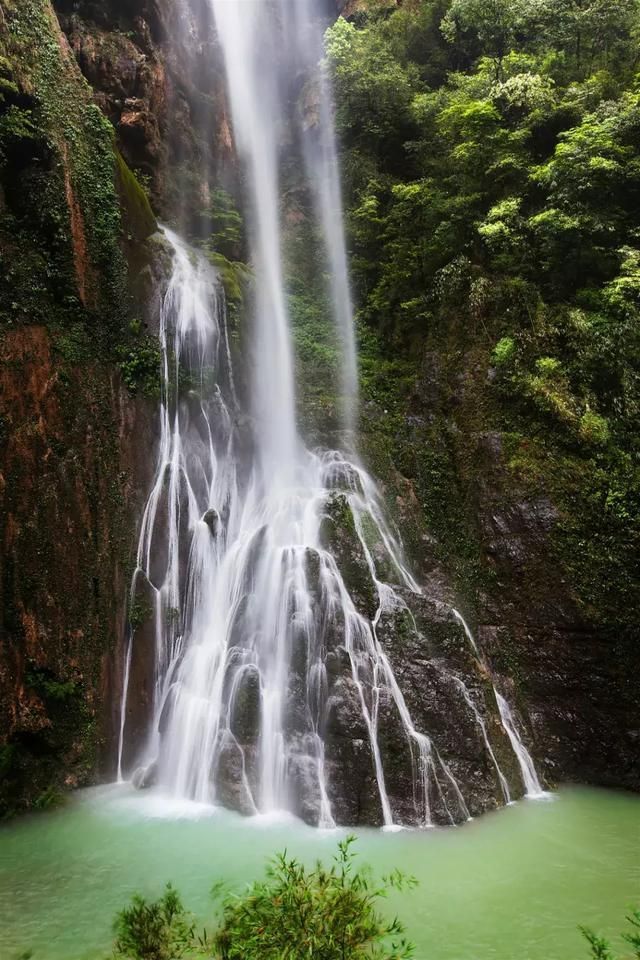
(48, 686)
(160, 930)
(317, 353)
(329, 914)
(234, 274)
(140, 219)
(492, 208)
(601, 949)
(49, 799)
(74, 344)
(16, 124)
(141, 366)
(588, 33)
(375, 89)
(295, 912)
(139, 612)
(493, 23)
(224, 226)
(503, 351)
(8, 87)
(594, 429)
(60, 227)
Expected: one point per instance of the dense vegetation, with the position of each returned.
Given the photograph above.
(493, 186)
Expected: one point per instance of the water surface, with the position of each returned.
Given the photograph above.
(514, 884)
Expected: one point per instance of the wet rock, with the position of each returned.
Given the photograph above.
(140, 692)
(212, 520)
(145, 777)
(433, 662)
(254, 552)
(312, 569)
(230, 778)
(239, 628)
(338, 535)
(303, 772)
(337, 663)
(130, 82)
(350, 773)
(343, 476)
(165, 714)
(246, 706)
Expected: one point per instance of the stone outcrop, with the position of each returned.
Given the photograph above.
(162, 92)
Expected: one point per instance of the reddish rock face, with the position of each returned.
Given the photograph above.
(163, 94)
(68, 501)
(130, 86)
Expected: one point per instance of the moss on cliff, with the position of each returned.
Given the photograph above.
(73, 222)
(81, 200)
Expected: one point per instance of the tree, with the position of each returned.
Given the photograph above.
(592, 186)
(373, 90)
(588, 31)
(494, 22)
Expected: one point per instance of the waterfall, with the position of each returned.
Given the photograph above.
(532, 785)
(527, 768)
(270, 570)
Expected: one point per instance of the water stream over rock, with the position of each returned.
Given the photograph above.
(298, 665)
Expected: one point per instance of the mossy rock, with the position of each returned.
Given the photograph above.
(338, 535)
(139, 220)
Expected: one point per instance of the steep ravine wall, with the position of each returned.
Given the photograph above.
(76, 258)
(70, 468)
(492, 539)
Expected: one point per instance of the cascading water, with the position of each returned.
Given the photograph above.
(530, 780)
(262, 558)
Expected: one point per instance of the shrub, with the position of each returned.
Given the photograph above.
(319, 913)
(594, 429)
(503, 351)
(141, 366)
(154, 931)
(294, 913)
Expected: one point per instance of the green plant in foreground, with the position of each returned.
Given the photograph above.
(294, 913)
(327, 914)
(154, 931)
(601, 948)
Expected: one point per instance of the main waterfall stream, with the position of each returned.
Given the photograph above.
(276, 585)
